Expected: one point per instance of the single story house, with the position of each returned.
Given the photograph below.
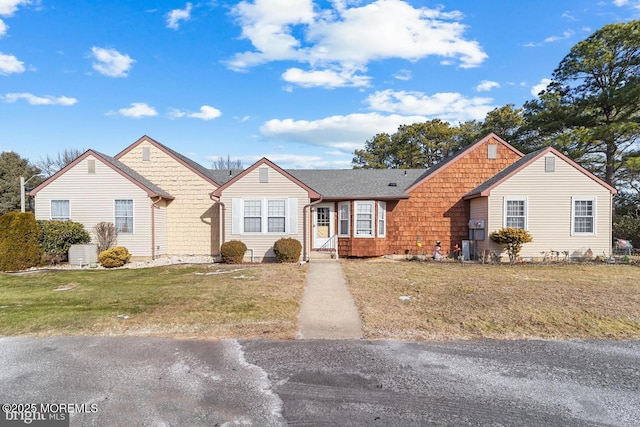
(175, 206)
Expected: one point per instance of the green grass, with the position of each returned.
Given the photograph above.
(256, 300)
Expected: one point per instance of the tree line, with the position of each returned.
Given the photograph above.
(590, 111)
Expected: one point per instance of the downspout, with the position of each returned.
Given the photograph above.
(304, 226)
(153, 226)
(222, 217)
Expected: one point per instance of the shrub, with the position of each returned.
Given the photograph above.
(287, 250)
(58, 236)
(114, 257)
(512, 239)
(232, 252)
(19, 241)
(106, 235)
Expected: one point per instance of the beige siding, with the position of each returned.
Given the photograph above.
(92, 198)
(549, 209)
(250, 187)
(191, 218)
(479, 210)
(160, 218)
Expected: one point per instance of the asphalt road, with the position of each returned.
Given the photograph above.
(164, 382)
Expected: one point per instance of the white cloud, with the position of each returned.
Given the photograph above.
(3, 28)
(348, 37)
(450, 106)
(487, 85)
(176, 15)
(136, 111)
(340, 132)
(325, 78)
(536, 89)
(635, 4)
(565, 35)
(206, 113)
(110, 62)
(9, 64)
(9, 7)
(404, 75)
(39, 100)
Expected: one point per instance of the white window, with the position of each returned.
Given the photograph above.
(583, 216)
(123, 214)
(344, 219)
(364, 219)
(60, 210)
(264, 216)
(515, 213)
(277, 216)
(382, 219)
(253, 216)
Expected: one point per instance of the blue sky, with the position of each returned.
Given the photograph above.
(301, 82)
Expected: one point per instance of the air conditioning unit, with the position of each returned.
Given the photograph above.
(83, 254)
(476, 224)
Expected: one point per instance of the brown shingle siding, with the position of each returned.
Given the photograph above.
(435, 209)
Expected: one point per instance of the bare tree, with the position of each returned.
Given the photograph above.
(50, 165)
(106, 235)
(227, 164)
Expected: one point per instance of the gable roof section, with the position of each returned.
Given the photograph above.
(485, 188)
(434, 170)
(359, 183)
(197, 168)
(264, 161)
(150, 188)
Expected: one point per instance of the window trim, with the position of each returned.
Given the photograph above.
(373, 218)
(382, 219)
(133, 216)
(526, 211)
(594, 215)
(68, 218)
(347, 219)
(264, 216)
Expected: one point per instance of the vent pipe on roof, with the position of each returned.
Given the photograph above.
(393, 184)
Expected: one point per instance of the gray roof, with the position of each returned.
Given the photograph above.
(504, 173)
(221, 176)
(134, 175)
(358, 183)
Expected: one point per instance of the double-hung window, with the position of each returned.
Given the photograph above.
(253, 216)
(263, 216)
(515, 213)
(364, 217)
(583, 216)
(277, 216)
(123, 214)
(344, 219)
(60, 210)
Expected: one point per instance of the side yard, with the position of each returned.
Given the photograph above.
(214, 302)
(424, 301)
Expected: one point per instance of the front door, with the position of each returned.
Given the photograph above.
(322, 225)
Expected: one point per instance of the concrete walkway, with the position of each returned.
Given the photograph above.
(328, 310)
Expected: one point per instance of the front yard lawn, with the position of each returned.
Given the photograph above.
(456, 301)
(219, 301)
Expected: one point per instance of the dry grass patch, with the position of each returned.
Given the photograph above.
(455, 301)
(218, 301)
